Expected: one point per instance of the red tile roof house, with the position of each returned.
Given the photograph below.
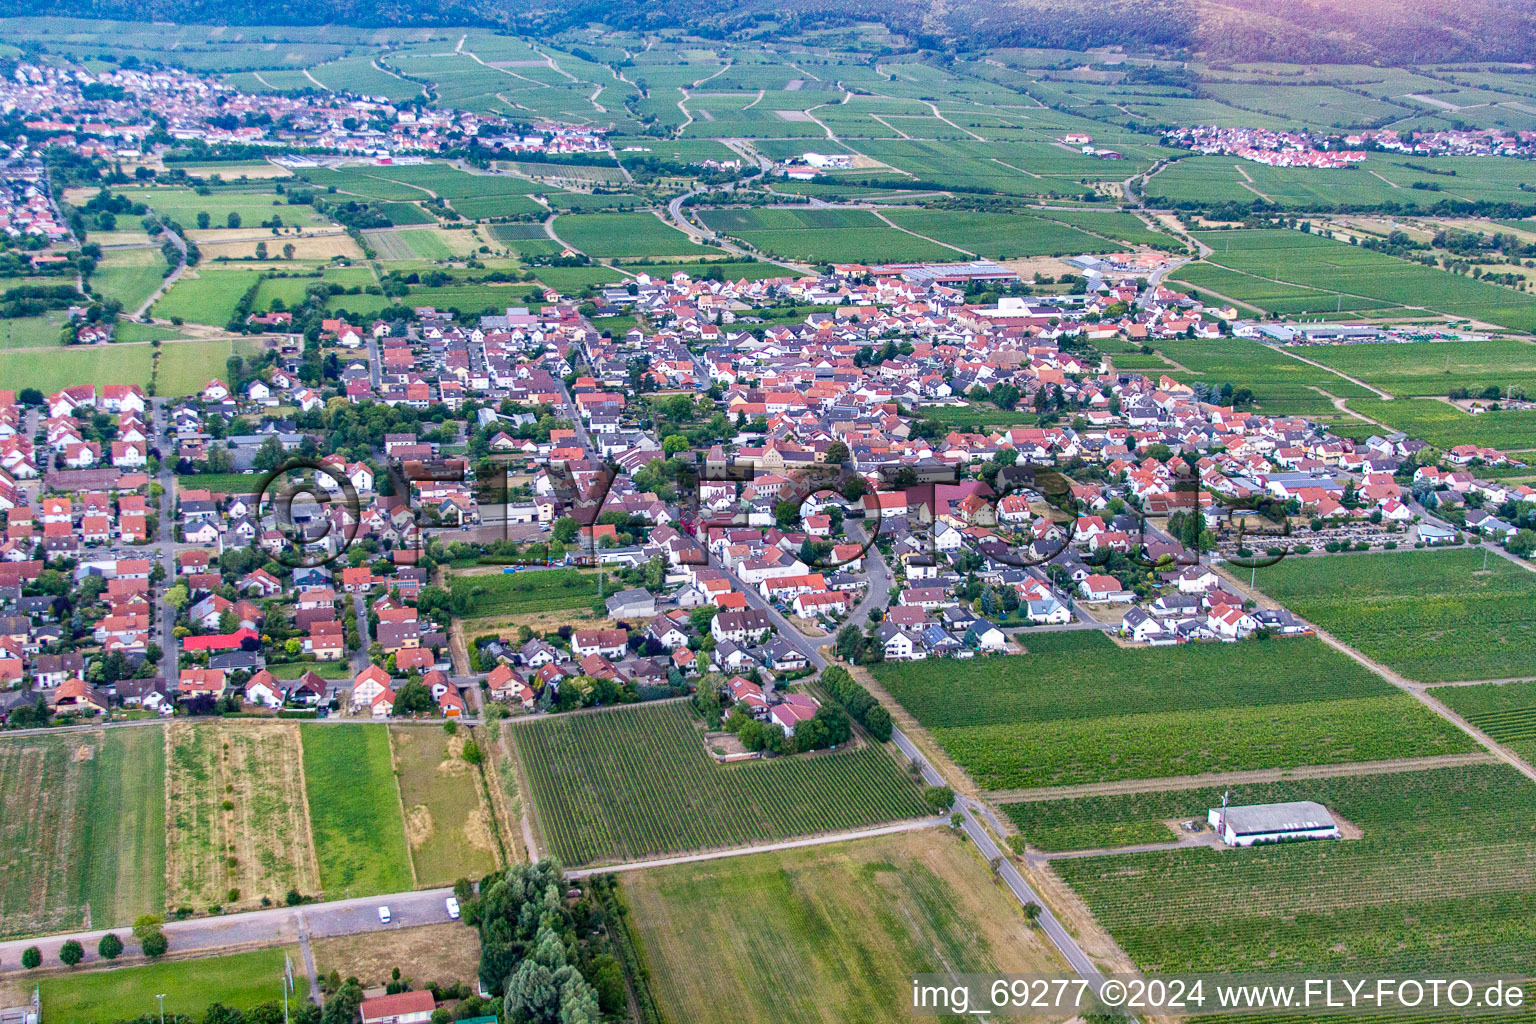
(221, 641)
(451, 704)
(404, 1008)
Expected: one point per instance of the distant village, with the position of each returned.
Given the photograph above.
(105, 115)
(1277, 148)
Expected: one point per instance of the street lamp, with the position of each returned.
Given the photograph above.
(161, 997)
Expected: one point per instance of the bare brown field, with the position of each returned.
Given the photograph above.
(236, 817)
(447, 824)
(234, 172)
(305, 247)
(433, 952)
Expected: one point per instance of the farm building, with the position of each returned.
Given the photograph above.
(1271, 823)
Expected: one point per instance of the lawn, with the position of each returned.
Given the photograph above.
(237, 817)
(527, 591)
(238, 981)
(1078, 708)
(626, 236)
(1434, 616)
(447, 825)
(825, 934)
(637, 782)
(354, 810)
(1440, 880)
(206, 295)
(82, 829)
(253, 203)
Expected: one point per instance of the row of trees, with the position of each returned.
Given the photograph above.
(146, 930)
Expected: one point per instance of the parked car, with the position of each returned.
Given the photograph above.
(384, 914)
(453, 907)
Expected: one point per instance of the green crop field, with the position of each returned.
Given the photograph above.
(573, 280)
(359, 75)
(976, 416)
(354, 810)
(82, 829)
(207, 295)
(824, 935)
(1434, 616)
(50, 370)
(1002, 235)
(1439, 880)
(221, 483)
(1077, 708)
(542, 590)
(626, 236)
(1335, 269)
(825, 236)
(238, 981)
(186, 367)
(1505, 711)
(637, 782)
(1445, 426)
(1434, 368)
(1282, 385)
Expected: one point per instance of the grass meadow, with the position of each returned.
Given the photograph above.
(354, 810)
(238, 981)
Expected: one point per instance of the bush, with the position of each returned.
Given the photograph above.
(31, 957)
(71, 953)
(155, 944)
(110, 947)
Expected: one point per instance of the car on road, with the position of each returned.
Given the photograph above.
(453, 907)
(384, 914)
